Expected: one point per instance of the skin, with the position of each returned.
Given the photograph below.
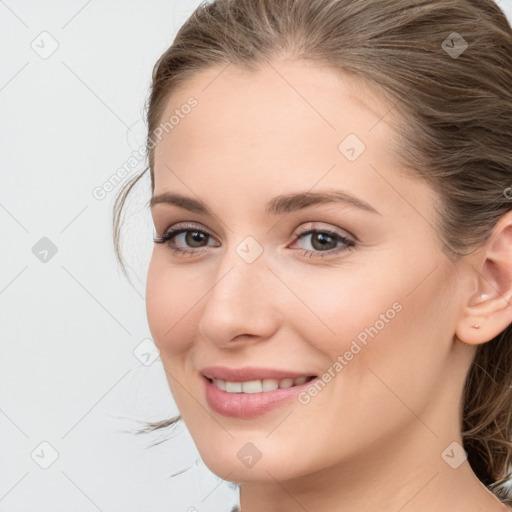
(373, 438)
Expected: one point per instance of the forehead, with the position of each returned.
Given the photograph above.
(253, 136)
(280, 98)
(279, 79)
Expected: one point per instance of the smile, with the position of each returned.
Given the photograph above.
(258, 386)
(250, 392)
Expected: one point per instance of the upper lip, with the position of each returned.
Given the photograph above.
(247, 373)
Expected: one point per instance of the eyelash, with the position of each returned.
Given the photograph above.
(169, 235)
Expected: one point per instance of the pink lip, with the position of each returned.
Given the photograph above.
(248, 405)
(249, 373)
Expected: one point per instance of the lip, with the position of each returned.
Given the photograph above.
(249, 373)
(249, 405)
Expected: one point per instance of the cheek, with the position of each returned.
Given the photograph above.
(385, 323)
(391, 305)
(339, 306)
(170, 299)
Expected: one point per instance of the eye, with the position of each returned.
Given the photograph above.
(324, 242)
(184, 234)
(188, 239)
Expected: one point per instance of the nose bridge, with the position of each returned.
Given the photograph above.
(238, 302)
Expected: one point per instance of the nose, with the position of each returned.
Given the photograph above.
(242, 304)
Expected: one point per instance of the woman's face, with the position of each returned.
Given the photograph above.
(366, 302)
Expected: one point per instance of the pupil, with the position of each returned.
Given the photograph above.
(195, 236)
(322, 239)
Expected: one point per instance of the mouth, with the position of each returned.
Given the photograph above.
(249, 392)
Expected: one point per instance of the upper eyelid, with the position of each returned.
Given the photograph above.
(316, 227)
(185, 226)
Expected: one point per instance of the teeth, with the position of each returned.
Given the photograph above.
(221, 384)
(234, 387)
(270, 384)
(257, 386)
(286, 383)
(252, 386)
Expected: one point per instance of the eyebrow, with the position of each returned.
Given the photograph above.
(281, 204)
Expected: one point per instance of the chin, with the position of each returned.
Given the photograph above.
(254, 458)
(233, 470)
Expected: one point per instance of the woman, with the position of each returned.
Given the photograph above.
(330, 283)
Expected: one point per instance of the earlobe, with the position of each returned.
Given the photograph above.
(488, 310)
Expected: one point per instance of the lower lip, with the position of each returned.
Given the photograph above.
(249, 405)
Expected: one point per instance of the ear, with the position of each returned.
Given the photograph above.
(488, 310)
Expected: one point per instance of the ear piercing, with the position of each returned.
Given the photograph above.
(475, 326)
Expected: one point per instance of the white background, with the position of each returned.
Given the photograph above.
(69, 326)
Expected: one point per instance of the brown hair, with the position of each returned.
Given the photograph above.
(456, 132)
